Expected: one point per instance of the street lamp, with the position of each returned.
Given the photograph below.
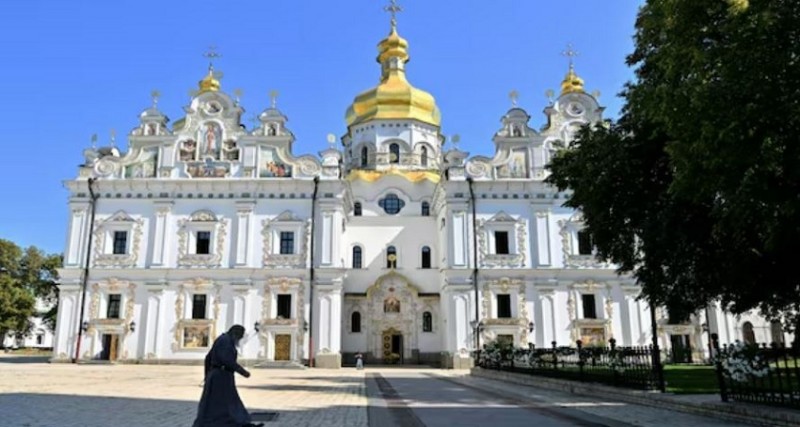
(257, 327)
(132, 327)
(305, 326)
(530, 327)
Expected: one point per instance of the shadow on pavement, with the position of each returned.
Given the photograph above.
(24, 359)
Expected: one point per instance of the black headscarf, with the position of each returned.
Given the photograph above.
(236, 333)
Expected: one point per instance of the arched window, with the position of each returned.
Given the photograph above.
(748, 335)
(776, 330)
(426, 257)
(355, 322)
(364, 157)
(427, 322)
(394, 153)
(357, 257)
(426, 209)
(357, 209)
(391, 257)
(423, 156)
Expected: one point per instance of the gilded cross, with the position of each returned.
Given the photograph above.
(570, 53)
(238, 94)
(393, 9)
(513, 96)
(155, 94)
(455, 139)
(273, 96)
(211, 54)
(113, 137)
(94, 141)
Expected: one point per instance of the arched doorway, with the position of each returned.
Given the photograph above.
(748, 335)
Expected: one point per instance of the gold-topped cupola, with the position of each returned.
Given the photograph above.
(394, 97)
(571, 83)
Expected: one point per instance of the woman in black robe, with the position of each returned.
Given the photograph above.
(220, 405)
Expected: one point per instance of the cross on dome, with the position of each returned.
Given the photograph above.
(570, 53)
(393, 9)
(513, 96)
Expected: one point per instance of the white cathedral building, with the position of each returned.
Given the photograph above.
(390, 246)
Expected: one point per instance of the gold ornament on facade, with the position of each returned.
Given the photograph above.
(572, 83)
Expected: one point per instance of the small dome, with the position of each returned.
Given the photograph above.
(394, 97)
(572, 83)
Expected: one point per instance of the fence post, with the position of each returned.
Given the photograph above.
(723, 391)
(580, 359)
(613, 362)
(555, 356)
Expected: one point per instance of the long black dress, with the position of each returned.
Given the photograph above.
(220, 405)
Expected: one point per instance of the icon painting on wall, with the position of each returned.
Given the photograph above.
(516, 166)
(145, 167)
(271, 166)
(196, 336)
(210, 137)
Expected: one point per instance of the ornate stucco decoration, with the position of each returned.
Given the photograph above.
(506, 285)
(201, 221)
(503, 221)
(103, 235)
(270, 323)
(196, 285)
(568, 231)
(405, 321)
(286, 221)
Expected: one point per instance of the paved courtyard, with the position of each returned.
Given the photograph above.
(59, 395)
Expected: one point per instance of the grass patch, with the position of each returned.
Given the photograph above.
(691, 379)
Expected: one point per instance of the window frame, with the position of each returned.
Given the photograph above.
(426, 257)
(506, 297)
(282, 302)
(114, 304)
(116, 247)
(287, 243)
(197, 307)
(391, 250)
(593, 306)
(357, 254)
(427, 322)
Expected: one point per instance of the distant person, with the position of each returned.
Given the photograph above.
(220, 405)
(359, 361)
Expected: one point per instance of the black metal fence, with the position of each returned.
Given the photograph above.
(631, 367)
(768, 375)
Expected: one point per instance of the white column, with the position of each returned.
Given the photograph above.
(159, 236)
(155, 293)
(244, 212)
(459, 243)
(76, 239)
(542, 237)
(326, 248)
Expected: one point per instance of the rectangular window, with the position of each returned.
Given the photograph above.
(113, 306)
(198, 306)
(287, 243)
(203, 243)
(589, 306)
(284, 306)
(584, 243)
(501, 243)
(503, 306)
(120, 242)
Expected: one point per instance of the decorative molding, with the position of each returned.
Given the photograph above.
(124, 222)
(572, 260)
(205, 221)
(489, 260)
(302, 231)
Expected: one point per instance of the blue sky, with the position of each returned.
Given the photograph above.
(74, 68)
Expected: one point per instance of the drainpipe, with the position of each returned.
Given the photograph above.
(85, 278)
(475, 263)
(311, 276)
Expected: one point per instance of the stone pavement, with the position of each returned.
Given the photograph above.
(63, 395)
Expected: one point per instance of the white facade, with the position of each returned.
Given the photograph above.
(207, 224)
(39, 336)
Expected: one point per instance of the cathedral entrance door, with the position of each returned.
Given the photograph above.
(110, 344)
(392, 346)
(283, 345)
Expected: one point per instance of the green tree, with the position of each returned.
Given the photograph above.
(26, 275)
(696, 190)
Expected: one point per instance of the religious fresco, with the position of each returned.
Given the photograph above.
(145, 167)
(593, 336)
(271, 166)
(209, 136)
(208, 169)
(196, 336)
(187, 151)
(516, 167)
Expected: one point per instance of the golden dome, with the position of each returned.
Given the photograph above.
(209, 82)
(394, 97)
(572, 83)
